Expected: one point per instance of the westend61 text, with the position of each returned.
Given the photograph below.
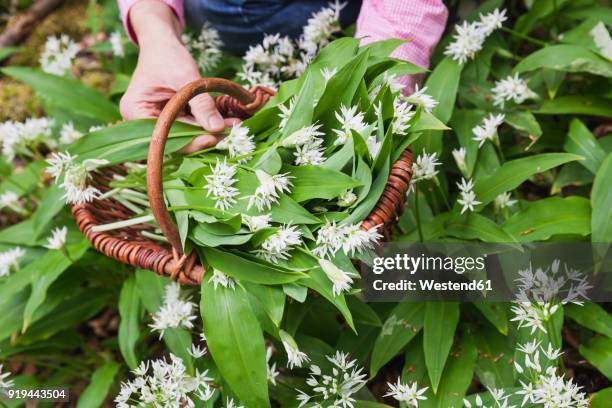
(432, 285)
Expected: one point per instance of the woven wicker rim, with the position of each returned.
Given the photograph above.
(128, 246)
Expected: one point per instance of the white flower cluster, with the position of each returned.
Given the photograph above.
(10, 199)
(402, 115)
(9, 260)
(308, 145)
(511, 88)
(207, 45)
(58, 55)
(467, 197)
(541, 291)
(164, 384)
(218, 278)
(174, 312)
(238, 143)
(334, 389)
(69, 134)
(219, 184)
(19, 138)
(5, 383)
(278, 245)
(256, 222)
(278, 58)
(420, 98)
(470, 37)
(269, 189)
(350, 238)
(424, 167)
(488, 129)
(295, 357)
(116, 42)
(350, 120)
(542, 384)
(460, 156)
(409, 394)
(341, 280)
(275, 60)
(57, 240)
(75, 176)
(504, 200)
(271, 368)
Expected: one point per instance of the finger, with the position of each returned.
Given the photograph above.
(131, 109)
(200, 143)
(205, 112)
(229, 122)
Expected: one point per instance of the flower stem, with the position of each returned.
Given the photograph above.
(417, 213)
(122, 224)
(442, 193)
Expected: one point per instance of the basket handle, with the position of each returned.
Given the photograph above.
(237, 101)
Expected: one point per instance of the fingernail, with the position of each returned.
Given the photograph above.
(216, 122)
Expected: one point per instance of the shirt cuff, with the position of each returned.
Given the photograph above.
(126, 5)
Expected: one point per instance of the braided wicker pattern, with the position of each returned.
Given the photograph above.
(128, 246)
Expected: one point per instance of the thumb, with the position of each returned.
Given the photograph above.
(206, 114)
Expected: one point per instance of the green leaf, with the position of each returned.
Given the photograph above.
(524, 121)
(581, 142)
(494, 313)
(130, 311)
(441, 319)
(51, 203)
(457, 375)
(565, 57)
(129, 141)
(318, 182)
(101, 381)
(571, 174)
(66, 93)
(592, 316)
(47, 269)
(289, 211)
(6, 52)
(494, 366)
(236, 343)
(272, 300)
(463, 121)
(303, 109)
(341, 88)
(598, 352)
(601, 399)
(243, 267)
(442, 84)
(512, 173)
(25, 180)
(542, 219)
(601, 197)
(577, 104)
(476, 226)
(402, 325)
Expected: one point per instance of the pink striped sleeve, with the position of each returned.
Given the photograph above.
(126, 5)
(421, 21)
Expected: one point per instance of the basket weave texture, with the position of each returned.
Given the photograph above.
(129, 246)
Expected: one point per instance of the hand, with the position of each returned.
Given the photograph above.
(164, 66)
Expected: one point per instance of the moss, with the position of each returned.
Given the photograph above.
(17, 101)
(68, 19)
(100, 80)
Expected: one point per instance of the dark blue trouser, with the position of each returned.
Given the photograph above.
(242, 23)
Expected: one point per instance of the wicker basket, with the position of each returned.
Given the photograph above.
(129, 246)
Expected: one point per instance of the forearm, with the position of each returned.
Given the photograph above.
(421, 22)
(144, 19)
